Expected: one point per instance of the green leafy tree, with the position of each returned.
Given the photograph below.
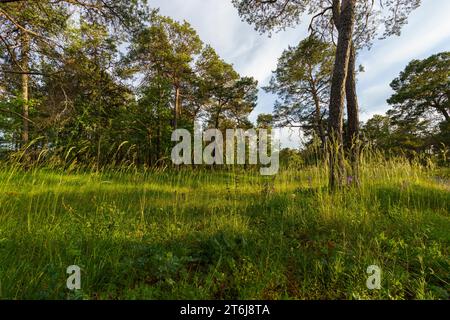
(265, 121)
(377, 131)
(393, 138)
(423, 88)
(30, 30)
(80, 105)
(166, 49)
(421, 103)
(302, 82)
(230, 97)
(150, 121)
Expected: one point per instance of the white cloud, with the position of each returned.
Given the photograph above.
(428, 32)
(219, 25)
(428, 27)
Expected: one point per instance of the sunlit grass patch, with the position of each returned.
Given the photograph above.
(224, 234)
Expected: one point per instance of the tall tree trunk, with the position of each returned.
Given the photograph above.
(320, 131)
(353, 117)
(217, 118)
(25, 59)
(158, 142)
(177, 107)
(336, 147)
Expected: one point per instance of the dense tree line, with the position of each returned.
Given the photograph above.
(108, 81)
(418, 121)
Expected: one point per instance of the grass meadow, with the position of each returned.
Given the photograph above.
(216, 234)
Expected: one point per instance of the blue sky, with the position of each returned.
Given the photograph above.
(252, 54)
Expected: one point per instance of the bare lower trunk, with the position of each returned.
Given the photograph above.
(353, 117)
(217, 120)
(318, 124)
(177, 108)
(25, 84)
(158, 143)
(345, 29)
(320, 131)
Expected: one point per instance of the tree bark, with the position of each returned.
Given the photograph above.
(217, 120)
(158, 142)
(177, 107)
(336, 148)
(25, 59)
(320, 131)
(353, 138)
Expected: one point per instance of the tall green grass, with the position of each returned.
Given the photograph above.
(224, 234)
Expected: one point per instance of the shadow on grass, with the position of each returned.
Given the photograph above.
(202, 262)
(37, 270)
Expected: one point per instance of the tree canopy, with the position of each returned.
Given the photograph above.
(107, 82)
(418, 120)
(423, 88)
(302, 82)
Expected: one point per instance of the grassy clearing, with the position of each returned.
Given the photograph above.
(224, 235)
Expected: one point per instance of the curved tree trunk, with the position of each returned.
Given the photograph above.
(353, 117)
(345, 29)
